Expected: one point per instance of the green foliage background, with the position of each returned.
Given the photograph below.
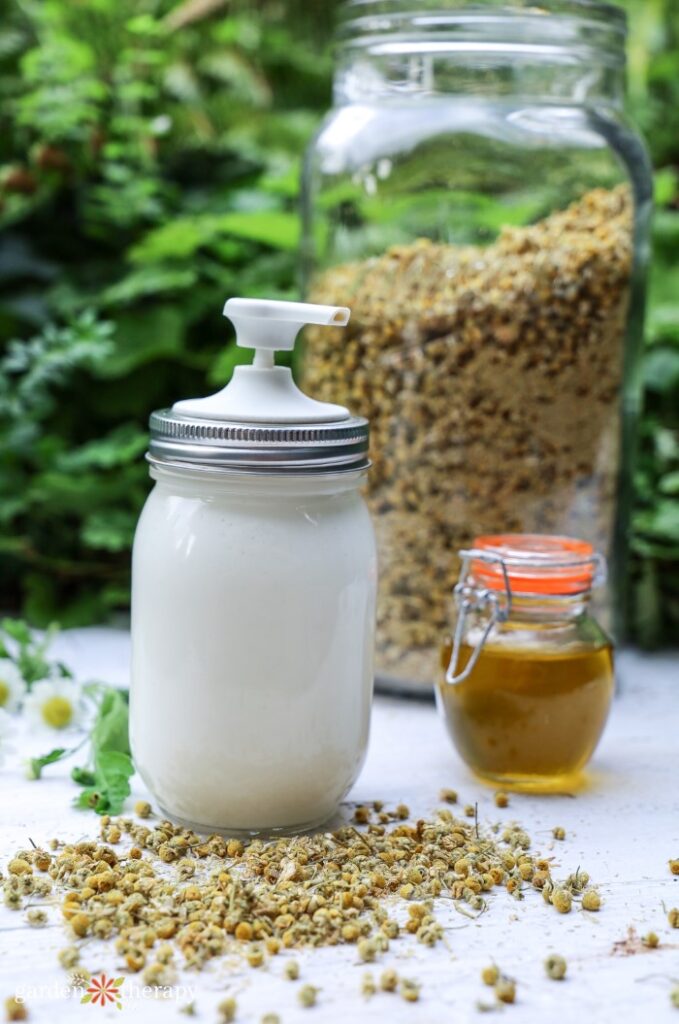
(150, 155)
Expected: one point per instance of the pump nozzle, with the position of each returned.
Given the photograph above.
(268, 326)
(263, 392)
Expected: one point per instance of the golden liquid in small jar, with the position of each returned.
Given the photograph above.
(528, 717)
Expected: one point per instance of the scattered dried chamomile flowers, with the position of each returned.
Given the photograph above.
(154, 890)
(591, 900)
(291, 970)
(389, 980)
(409, 990)
(501, 799)
(227, 1010)
(558, 832)
(368, 986)
(556, 967)
(307, 995)
(505, 990)
(651, 940)
(673, 917)
(561, 900)
(490, 975)
(15, 1009)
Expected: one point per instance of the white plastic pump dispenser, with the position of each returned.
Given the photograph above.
(263, 392)
(254, 577)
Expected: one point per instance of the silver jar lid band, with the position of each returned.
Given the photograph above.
(269, 448)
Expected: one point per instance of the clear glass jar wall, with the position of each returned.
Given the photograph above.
(479, 199)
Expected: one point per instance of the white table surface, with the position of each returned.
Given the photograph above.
(622, 830)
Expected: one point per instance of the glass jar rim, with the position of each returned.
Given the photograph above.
(535, 564)
(597, 10)
(513, 27)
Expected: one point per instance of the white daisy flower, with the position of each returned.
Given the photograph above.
(12, 685)
(55, 704)
(6, 730)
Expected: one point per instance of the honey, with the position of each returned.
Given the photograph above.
(528, 715)
(527, 677)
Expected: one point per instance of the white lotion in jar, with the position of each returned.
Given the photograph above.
(253, 605)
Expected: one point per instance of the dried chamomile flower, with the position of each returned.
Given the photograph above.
(271, 1018)
(142, 809)
(69, 957)
(362, 815)
(501, 799)
(367, 950)
(505, 990)
(402, 812)
(291, 970)
(13, 900)
(390, 928)
(562, 900)
(409, 990)
(227, 1009)
(674, 997)
(651, 940)
(591, 900)
(368, 986)
(389, 980)
(307, 995)
(15, 1009)
(449, 796)
(673, 917)
(255, 955)
(558, 832)
(19, 866)
(470, 810)
(36, 917)
(490, 975)
(157, 975)
(674, 866)
(578, 881)
(556, 967)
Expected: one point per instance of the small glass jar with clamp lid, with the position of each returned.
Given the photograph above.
(527, 675)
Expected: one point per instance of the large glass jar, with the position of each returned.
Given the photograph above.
(481, 201)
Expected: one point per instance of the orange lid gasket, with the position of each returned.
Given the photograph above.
(536, 564)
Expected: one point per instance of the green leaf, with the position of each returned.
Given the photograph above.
(111, 786)
(123, 444)
(182, 237)
(661, 369)
(159, 333)
(661, 522)
(110, 732)
(83, 776)
(110, 530)
(669, 483)
(150, 281)
(36, 764)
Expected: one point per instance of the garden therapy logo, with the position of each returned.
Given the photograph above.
(103, 990)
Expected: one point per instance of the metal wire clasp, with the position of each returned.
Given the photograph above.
(474, 598)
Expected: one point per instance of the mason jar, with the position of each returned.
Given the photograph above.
(481, 200)
(526, 675)
(253, 598)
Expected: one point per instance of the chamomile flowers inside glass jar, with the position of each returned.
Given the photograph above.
(527, 675)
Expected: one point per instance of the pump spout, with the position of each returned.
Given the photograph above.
(264, 392)
(269, 324)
